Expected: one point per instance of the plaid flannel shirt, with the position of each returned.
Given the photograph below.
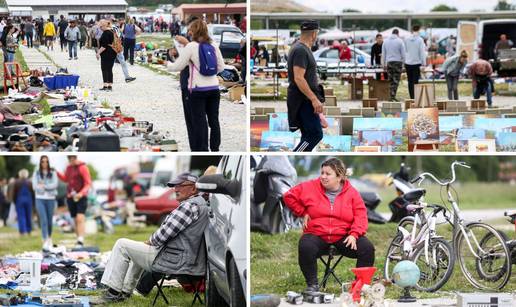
(176, 221)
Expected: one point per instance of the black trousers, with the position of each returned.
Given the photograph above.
(413, 74)
(106, 65)
(310, 126)
(129, 44)
(311, 247)
(63, 41)
(4, 211)
(147, 281)
(185, 97)
(205, 105)
(28, 37)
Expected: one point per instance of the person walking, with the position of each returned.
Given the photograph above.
(78, 180)
(44, 182)
(106, 54)
(5, 205)
(72, 36)
(303, 103)
(29, 33)
(415, 58)
(393, 57)
(49, 32)
(84, 34)
(23, 198)
(203, 85)
(61, 28)
(452, 69)
(376, 56)
(120, 56)
(130, 30)
(10, 46)
(480, 72)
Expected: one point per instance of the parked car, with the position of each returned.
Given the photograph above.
(330, 55)
(226, 233)
(227, 37)
(156, 208)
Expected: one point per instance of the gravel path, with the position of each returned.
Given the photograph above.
(152, 97)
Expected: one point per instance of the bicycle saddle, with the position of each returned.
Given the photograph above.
(414, 194)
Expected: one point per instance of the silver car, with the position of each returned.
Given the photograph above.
(330, 55)
(226, 234)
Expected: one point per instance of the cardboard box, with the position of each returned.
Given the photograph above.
(368, 112)
(478, 104)
(441, 105)
(379, 89)
(236, 92)
(264, 110)
(328, 91)
(356, 89)
(331, 101)
(331, 111)
(370, 103)
(409, 103)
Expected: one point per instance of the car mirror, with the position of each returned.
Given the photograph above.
(218, 184)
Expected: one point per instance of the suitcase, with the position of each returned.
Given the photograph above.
(99, 141)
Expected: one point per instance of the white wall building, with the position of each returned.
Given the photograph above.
(85, 9)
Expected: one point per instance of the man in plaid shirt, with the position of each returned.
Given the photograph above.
(130, 258)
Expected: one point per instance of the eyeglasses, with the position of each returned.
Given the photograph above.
(184, 185)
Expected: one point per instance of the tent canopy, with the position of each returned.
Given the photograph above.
(403, 33)
(335, 34)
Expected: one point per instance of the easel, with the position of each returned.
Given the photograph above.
(424, 96)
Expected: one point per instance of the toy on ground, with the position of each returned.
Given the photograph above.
(362, 292)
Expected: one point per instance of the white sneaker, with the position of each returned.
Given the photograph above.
(46, 245)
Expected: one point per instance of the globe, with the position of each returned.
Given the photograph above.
(406, 274)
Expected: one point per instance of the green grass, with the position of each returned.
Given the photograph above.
(18, 57)
(274, 265)
(342, 91)
(162, 41)
(48, 57)
(472, 196)
(11, 243)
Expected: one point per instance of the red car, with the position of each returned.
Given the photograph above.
(156, 208)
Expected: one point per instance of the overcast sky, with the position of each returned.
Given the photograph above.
(382, 6)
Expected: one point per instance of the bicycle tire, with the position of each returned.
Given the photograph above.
(504, 257)
(395, 243)
(447, 249)
(486, 238)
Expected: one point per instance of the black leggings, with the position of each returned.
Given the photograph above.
(204, 108)
(106, 65)
(312, 246)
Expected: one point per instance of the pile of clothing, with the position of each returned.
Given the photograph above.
(71, 121)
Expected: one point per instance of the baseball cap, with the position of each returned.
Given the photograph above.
(186, 176)
(309, 25)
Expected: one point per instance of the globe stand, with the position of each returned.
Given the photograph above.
(406, 297)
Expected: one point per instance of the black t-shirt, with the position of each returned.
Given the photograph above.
(63, 24)
(106, 39)
(300, 55)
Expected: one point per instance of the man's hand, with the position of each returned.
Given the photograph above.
(98, 56)
(306, 219)
(351, 242)
(318, 107)
(181, 39)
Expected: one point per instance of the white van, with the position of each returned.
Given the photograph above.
(165, 169)
(480, 38)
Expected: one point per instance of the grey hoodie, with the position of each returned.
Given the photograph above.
(72, 34)
(415, 50)
(393, 50)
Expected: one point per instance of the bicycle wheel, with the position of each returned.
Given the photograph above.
(437, 270)
(483, 256)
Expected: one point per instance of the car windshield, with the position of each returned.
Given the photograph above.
(161, 178)
(219, 30)
(231, 37)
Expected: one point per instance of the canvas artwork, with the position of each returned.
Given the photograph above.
(506, 141)
(494, 126)
(335, 143)
(278, 141)
(259, 124)
(394, 125)
(367, 149)
(333, 126)
(448, 126)
(278, 122)
(384, 138)
(484, 145)
(423, 125)
(466, 134)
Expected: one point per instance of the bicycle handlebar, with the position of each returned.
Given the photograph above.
(423, 176)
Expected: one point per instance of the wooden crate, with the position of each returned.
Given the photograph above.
(264, 110)
(379, 89)
(328, 91)
(409, 103)
(370, 103)
(356, 86)
(478, 104)
(441, 105)
(331, 101)
(331, 111)
(368, 112)
(355, 111)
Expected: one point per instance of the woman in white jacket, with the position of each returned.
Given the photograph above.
(44, 182)
(204, 89)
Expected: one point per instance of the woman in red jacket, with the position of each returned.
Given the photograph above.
(334, 214)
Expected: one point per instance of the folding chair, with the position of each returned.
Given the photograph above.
(190, 284)
(329, 268)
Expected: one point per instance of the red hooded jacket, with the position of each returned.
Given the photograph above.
(77, 177)
(348, 214)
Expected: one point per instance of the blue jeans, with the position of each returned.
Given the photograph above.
(123, 63)
(72, 49)
(9, 57)
(484, 88)
(24, 214)
(45, 209)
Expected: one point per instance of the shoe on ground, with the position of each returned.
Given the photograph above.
(69, 59)
(137, 293)
(104, 88)
(109, 88)
(107, 298)
(311, 289)
(79, 244)
(130, 79)
(76, 58)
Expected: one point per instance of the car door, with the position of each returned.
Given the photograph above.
(221, 227)
(330, 56)
(229, 44)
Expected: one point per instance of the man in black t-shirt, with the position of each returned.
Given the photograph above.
(302, 102)
(61, 26)
(376, 56)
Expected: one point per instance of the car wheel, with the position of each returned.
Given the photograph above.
(237, 296)
(213, 298)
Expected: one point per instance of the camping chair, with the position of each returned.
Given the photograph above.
(190, 284)
(329, 268)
